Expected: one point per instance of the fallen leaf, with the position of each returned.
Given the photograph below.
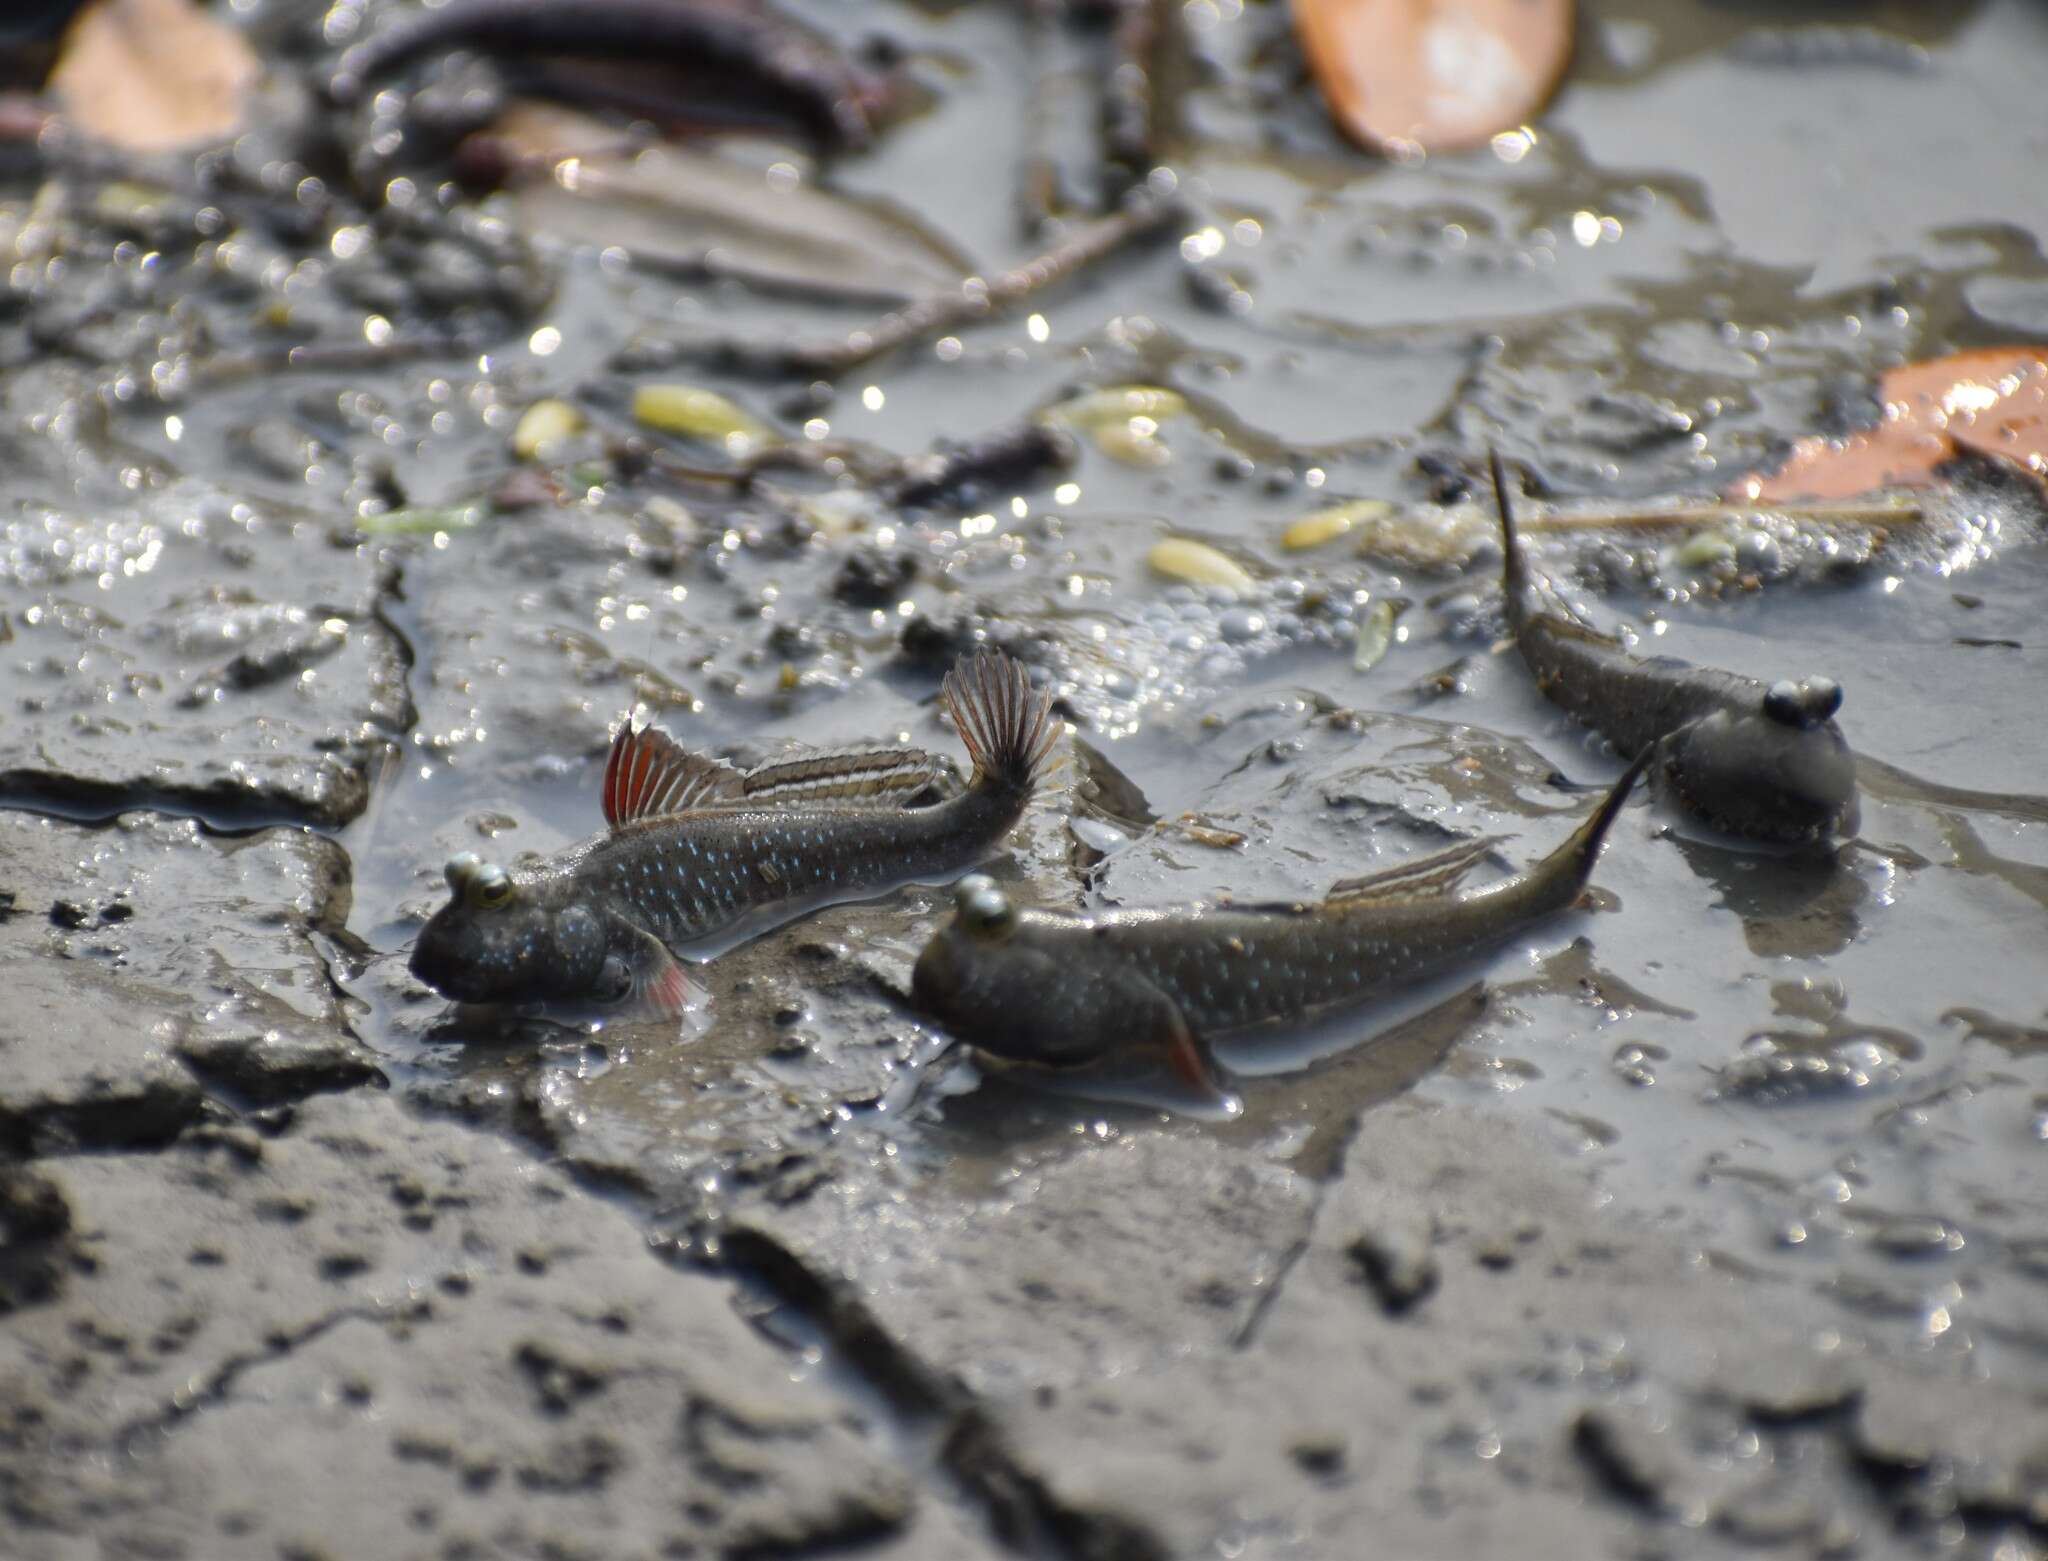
(153, 75)
(670, 207)
(1991, 402)
(1376, 633)
(1403, 76)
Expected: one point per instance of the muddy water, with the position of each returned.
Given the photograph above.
(1822, 1078)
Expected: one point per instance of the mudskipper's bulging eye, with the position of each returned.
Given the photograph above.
(982, 907)
(491, 887)
(1804, 704)
(462, 870)
(1781, 703)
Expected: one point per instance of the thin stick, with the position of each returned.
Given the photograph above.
(1038, 179)
(975, 299)
(1714, 514)
(1129, 139)
(331, 357)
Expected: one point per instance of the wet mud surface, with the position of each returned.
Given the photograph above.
(1705, 1219)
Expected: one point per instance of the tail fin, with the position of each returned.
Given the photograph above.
(1571, 864)
(1007, 726)
(1514, 574)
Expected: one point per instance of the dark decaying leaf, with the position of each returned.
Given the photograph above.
(673, 207)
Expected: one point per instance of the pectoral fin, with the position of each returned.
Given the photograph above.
(1190, 1060)
(649, 981)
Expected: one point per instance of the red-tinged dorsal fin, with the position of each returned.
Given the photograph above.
(649, 776)
(1420, 877)
(853, 775)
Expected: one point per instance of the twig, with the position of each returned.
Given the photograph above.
(331, 357)
(1870, 514)
(1129, 101)
(1038, 179)
(975, 299)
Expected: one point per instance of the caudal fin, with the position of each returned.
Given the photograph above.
(1006, 724)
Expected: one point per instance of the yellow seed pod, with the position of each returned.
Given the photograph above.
(542, 424)
(1113, 404)
(1327, 525)
(1197, 563)
(697, 413)
(1133, 442)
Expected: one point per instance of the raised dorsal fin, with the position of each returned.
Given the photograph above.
(649, 776)
(1418, 878)
(851, 775)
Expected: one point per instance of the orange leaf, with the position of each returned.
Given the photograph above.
(153, 75)
(1992, 402)
(1408, 75)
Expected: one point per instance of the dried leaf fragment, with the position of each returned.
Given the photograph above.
(154, 75)
(1991, 402)
(1376, 633)
(1404, 76)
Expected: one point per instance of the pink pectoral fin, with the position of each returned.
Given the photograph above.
(662, 988)
(1192, 1065)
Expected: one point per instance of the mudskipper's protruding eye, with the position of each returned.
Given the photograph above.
(1823, 697)
(1802, 704)
(982, 907)
(461, 870)
(490, 887)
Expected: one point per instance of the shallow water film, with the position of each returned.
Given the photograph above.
(365, 469)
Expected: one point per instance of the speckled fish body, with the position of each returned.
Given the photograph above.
(1068, 991)
(700, 855)
(720, 874)
(1761, 760)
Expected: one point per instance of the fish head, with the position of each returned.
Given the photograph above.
(1000, 980)
(1779, 770)
(501, 940)
(966, 954)
(980, 973)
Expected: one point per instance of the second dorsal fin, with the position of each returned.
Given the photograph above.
(1419, 877)
(851, 775)
(649, 775)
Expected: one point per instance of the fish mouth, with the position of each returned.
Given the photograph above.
(449, 977)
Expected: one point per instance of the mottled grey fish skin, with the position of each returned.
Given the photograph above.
(702, 875)
(1067, 991)
(602, 921)
(1763, 761)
